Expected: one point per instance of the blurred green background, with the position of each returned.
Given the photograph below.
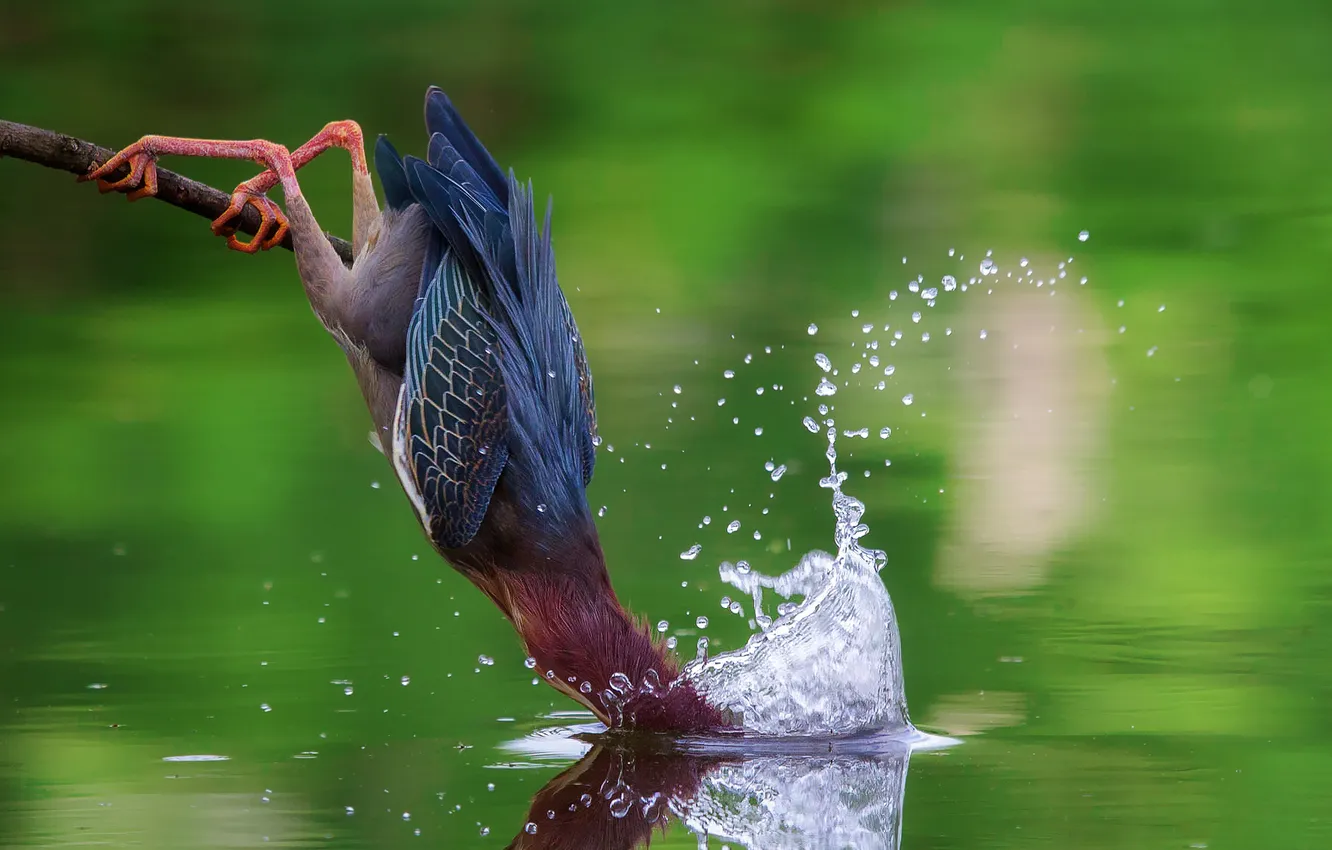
(1109, 537)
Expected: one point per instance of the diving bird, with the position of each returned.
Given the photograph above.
(474, 372)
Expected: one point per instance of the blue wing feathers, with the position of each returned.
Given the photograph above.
(496, 378)
(442, 117)
(453, 409)
(391, 175)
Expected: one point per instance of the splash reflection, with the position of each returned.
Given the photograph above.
(838, 793)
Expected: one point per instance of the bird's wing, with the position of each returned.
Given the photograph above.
(588, 440)
(450, 434)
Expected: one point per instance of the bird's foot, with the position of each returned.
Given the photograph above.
(272, 222)
(141, 182)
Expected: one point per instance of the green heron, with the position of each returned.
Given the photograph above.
(475, 375)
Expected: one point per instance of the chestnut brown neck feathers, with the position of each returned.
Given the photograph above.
(558, 596)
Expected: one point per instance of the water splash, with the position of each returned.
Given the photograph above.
(830, 664)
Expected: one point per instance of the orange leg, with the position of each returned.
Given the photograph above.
(142, 159)
(336, 134)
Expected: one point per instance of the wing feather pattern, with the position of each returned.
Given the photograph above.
(451, 446)
(497, 377)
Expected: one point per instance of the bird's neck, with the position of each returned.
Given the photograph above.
(586, 645)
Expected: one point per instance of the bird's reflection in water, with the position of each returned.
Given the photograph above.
(826, 794)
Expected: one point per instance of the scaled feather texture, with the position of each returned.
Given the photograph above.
(496, 378)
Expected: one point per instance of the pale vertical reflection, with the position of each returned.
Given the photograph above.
(1030, 434)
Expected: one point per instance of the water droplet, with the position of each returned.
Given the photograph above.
(758, 432)
(779, 472)
(485, 660)
(541, 509)
(406, 680)
(1084, 236)
(949, 283)
(929, 294)
(824, 363)
(530, 829)
(825, 388)
(728, 374)
(810, 425)
(925, 337)
(988, 267)
(265, 706)
(586, 687)
(701, 622)
(671, 642)
(915, 317)
(721, 401)
(733, 527)
(707, 520)
(691, 553)
(983, 334)
(651, 681)
(529, 662)
(812, 329)
(908, 398)
(677, 389)
(662, 626)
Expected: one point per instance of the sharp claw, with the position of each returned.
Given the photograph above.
(280, 232)
(271, 221)
(141, 181)
(251, 247)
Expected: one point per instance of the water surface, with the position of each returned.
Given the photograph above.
(1108, 538)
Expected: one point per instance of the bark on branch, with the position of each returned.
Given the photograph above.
(56, 150)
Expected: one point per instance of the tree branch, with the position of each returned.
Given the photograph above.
(56, 150)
